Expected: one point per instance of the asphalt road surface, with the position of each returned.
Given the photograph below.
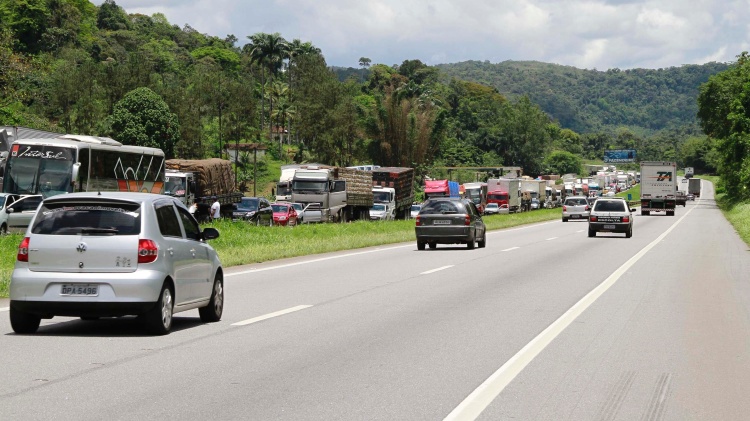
(542, 324)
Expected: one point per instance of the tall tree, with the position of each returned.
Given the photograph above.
(143, 118)
(268, 51)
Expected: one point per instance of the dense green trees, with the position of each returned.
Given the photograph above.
(70, 66)
(724, 111)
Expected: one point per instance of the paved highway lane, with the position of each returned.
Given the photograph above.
(393, 333)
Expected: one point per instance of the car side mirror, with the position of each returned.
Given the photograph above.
(210, 233)
(8, 210)
(632, 209)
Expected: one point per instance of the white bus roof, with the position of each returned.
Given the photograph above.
(76, 141)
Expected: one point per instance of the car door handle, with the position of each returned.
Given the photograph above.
(192, 251)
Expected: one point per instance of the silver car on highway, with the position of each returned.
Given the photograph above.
(108, 254)
(575, 207)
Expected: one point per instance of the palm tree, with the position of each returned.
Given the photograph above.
(277, 91)
(268, 51)
(296, 49)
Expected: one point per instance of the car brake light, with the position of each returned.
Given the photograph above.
(565, 208)
(625, 219)
(467, 220)
(419, 220)
(148, 251)
(592, 218)
(586, 208)
(23, 250)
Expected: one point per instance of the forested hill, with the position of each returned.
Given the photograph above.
(586, 101)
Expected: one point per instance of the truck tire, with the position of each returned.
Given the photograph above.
(670, 213)
(645, 213)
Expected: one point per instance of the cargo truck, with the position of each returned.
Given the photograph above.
(694, 186)
(658, 187)
(477, 193)
(440, 188)
(689, 172)
(333, 194)
(394, 186)
(200, 181)
(505, 191)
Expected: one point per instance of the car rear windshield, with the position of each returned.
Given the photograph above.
(74, 218)
(442, 207)
(576, 202)
(609, 206)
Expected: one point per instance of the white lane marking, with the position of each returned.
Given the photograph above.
(512, 248)
(483, 395)
(436, 270)
(551, 238)
(271, 315)
(4, 308)
(580, 231)
(322, 259)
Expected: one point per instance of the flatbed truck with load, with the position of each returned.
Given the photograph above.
(658, 187)
(199, 181)
(336, 194)
(394, 186)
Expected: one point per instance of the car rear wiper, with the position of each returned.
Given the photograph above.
(111, 231)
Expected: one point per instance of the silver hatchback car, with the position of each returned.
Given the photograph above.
(108, 254)
(575, 207)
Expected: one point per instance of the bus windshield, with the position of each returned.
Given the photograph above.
(39, 169)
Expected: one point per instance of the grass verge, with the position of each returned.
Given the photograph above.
(241, 243)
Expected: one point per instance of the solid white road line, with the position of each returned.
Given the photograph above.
(271, 315)
(580, 230)
(436, 270)
(552, 238)
(4, 308)
(512, 248)
(483, 396)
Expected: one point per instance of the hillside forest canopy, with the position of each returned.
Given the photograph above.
(70, 66)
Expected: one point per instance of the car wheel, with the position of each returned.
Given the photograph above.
(483, 242)
(629, 233)
(670, 213)
(3, 229)
(257, 222)
(645, 213)
(433, 245)
(420, 245)
(592, 233)
(470, 244)
(565, 219)
(213, 311)
(23, 322)
(159, 319)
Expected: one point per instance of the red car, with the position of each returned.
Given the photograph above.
(284, 214)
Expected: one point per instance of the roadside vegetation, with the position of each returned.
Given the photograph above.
(241, 243)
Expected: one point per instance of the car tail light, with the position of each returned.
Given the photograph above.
(23, 250)
(148, 251)
(419, 220)
(586, 208)
(625, 219)
(592, 218)
(467, 220)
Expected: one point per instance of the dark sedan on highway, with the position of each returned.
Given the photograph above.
(447, 220)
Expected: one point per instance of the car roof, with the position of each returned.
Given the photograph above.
(130, 196)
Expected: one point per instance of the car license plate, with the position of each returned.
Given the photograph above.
(609, 227)
(441, 222)
(80, 290)
(575, 216)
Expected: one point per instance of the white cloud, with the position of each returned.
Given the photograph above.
(598, 34)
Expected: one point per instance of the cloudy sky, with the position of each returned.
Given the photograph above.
(588, 34)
